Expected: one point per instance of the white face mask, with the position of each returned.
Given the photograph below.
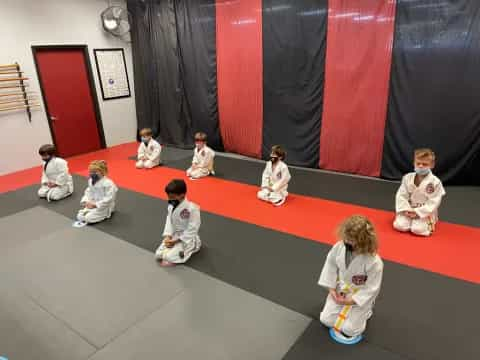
(199, 145)
(422, 171)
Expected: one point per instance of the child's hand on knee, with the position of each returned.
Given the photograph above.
(167, 240)
(90, 205)
(411, 214)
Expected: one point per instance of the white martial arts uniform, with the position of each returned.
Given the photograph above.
(56, 171)
(423, 200)
(203, 162)
(361, 280)
(152, 153)
(182, 224)
(277, 178)
(103, 194)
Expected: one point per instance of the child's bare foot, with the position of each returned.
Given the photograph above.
(166, 263)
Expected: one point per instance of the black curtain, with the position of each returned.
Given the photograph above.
(174, 57)
(434, 90)
(196, 31)
(294, 44)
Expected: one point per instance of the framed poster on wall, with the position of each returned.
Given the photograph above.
(112, 72)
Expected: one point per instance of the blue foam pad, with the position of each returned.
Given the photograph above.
(341, 339)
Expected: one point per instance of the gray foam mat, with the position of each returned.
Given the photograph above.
(418, 314)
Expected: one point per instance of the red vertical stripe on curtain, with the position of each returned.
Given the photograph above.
(239, 75)
(357, 72)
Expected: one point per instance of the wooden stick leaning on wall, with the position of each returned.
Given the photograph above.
(13, 86)
(13, 66)
(19, 100)
(18, 107)
(5, 72)
(14, 79)
(16, 94)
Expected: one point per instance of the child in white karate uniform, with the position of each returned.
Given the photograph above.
(149, 151)
(353, 276)
(180, 236)
(275, 178)
(98, 202)
(419, 197)
(203, 157)
(56, 183)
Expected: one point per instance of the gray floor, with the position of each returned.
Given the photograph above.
(71, 294)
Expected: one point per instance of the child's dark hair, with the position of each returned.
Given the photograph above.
(201, 136)
(47, 149)
(146, 132)
(277, 150)
(176, 187)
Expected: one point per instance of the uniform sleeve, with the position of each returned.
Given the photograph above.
(195, 160)
(283, 180)
(372, 286)
(44, 179)
(155, 153)
(402, 199)
(63, 176)
(329, 274)
(86, 195)
(191, 231)
(433, 202)
(267, 173)
(141, 150)
(168, 230)
(110, 191)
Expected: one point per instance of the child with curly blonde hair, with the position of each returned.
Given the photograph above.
(353, 276)
(98, 202)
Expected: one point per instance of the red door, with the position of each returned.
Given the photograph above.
(69, 99)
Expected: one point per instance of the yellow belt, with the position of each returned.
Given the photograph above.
(344, 312)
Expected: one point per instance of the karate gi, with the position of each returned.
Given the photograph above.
(56, 171)
(277, 178)
(361, 280)
(203, 162)
(182, 224)
(151, 152)
(424, 200)
(103, 193)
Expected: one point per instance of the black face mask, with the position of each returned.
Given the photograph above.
(47, 160)
(274, 159)
(95, 177)
(349, 247)
(174, 202)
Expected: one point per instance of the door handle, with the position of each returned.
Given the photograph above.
(53, 118)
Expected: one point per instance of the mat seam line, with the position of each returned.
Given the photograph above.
(60, 320)
(138, 321)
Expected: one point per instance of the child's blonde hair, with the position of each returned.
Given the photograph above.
(424, 153)
(99, 165)
(201, 136)
(361, 232)
(146, 132)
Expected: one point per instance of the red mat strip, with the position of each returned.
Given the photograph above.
(451, 251)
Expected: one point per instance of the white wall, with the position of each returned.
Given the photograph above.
(50, 22)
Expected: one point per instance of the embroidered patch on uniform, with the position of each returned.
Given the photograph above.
(202, 153)
(359, 279)
(185, 214)
(279, 175)
(430, 188)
